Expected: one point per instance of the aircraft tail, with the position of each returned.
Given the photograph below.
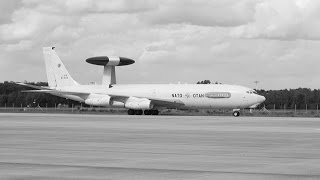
(57, 74)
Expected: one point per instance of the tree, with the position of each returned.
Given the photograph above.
(204, 82)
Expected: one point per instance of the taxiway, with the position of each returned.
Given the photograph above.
(77, 146)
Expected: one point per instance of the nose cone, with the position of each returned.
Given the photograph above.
(261, 99)
(256, 102)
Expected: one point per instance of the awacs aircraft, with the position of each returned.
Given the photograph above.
(141, 99)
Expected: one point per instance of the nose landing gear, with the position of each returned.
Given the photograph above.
(236, 112)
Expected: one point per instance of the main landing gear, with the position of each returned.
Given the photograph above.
(145, 112)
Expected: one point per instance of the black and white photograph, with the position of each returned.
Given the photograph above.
(171, 89)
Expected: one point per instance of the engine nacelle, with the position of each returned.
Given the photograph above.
(138, 103)
(98, 100)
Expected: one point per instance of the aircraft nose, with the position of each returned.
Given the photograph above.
(261, 99)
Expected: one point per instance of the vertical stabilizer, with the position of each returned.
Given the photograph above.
(57, 74)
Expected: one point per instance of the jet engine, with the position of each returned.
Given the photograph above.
(98, 101)
(103, 100)
(138, 103)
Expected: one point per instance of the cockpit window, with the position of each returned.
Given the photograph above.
(251, 92)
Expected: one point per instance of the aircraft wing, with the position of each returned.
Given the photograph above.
(158, 102)
(169, 103)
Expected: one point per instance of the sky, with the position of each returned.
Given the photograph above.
(275, 42)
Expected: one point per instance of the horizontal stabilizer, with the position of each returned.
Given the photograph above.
(32, 86)
(53, 91)
(43, 89)
(38, 91)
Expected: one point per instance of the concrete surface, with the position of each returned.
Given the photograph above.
(57, 146)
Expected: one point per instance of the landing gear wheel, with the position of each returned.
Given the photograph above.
(147, 112)
(131, 112)
(155, 112)
(138, 112)
(236, 113)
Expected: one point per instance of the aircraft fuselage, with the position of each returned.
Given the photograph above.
(203, 96)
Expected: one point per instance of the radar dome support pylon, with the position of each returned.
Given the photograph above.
(109, 69)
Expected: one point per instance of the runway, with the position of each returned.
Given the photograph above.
(77, 146)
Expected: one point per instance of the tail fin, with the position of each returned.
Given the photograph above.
(57, 74)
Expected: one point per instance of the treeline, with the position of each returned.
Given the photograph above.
(291, 98)
(207, 82)
(11, 95)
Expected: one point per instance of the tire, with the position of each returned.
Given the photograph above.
(131, 112)
(138, 112)
(236, 113)
(155, 112)
(147, 112)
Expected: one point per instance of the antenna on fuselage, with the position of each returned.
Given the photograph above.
(109, 64)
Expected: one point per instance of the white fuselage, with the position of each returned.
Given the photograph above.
(204, 96)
